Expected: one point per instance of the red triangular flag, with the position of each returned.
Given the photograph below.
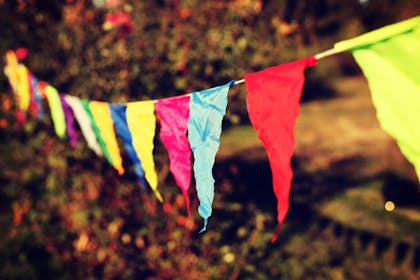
(273, 106)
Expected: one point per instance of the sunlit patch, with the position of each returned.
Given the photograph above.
(389, 206)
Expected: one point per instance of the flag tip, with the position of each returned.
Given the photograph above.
(204, 227)
(158, 196)
(276, 232)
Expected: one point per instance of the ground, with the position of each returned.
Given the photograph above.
(345, 169)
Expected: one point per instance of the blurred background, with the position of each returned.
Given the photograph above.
(66, 214)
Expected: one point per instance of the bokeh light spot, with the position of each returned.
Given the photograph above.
(389, 206)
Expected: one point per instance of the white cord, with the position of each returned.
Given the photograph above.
(326, 53)
(317, 57)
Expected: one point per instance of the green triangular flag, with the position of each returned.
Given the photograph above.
(390, 60)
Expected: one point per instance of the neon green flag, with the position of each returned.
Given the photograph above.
(390, 60)
(57, 112)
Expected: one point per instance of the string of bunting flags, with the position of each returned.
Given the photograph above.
(192, 123)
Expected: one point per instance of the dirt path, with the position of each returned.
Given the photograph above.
(329, 131)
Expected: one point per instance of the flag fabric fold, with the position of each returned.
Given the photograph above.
(390, 60)
(207, 109)
(85, 123)
(19, 80)
(102, 115)
(141, 122)
(380, 35)
(56, 109)
(173, 115)
(119, 116)
(23, 88)
(97, 131)
(33, 103)
(11, 71)
(69, 117)
(273, 97)
(38, 97)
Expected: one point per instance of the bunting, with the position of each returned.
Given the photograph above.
(141, 121)
(273, 106)
(390, 60)
(38, 97)
(207, 109)
(56, 109)
(118, 114)
(11, 72)
(34, 100)
(97, 131)
(69, 118)
(102, 116)
(18, 78)
(23, 88)
(173, 115)
(84, 122)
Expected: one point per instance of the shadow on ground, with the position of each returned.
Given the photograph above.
(245, 179)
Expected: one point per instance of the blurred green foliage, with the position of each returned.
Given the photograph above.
(66, 214)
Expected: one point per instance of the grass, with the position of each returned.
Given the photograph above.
(236, 140)
(363, 209)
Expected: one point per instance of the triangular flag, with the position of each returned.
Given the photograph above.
(85, 123)
(390, 60)
(11, 70)
(207, 109)
(101, 142)
(33, 104)
(17, 75)
(38, 97)
(69, 117)
(173, 114)
(102, 115)
(142, 124)
(56, 109)
(273, 106)
(23, 88)
(118, 113)
(18, 78)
